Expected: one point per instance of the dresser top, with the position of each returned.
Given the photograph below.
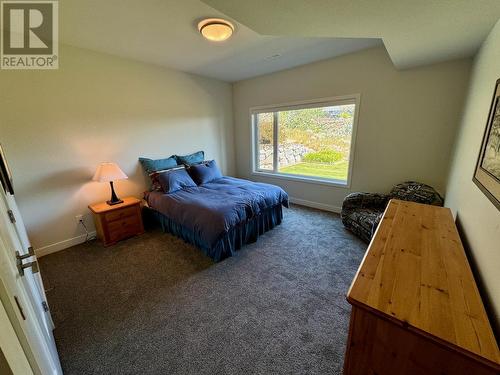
(415, 273)
(104, 207)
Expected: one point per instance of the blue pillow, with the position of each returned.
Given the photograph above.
(174, 180)
(151, 165)
(205, 172)
(191, 159)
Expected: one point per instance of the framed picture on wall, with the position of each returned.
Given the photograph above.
(487, 174)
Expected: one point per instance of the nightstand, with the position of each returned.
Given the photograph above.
(117, 222)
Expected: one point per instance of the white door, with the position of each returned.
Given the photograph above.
(32, 280)
(24, 290)
(11, 347)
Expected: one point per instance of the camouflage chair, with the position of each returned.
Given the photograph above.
(361, 212)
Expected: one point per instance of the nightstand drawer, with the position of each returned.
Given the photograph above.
(115, 223)
(127, 224)
(120, 234)
(120, 214)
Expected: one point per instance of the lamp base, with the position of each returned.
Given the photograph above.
(114, 199)
(112, 203)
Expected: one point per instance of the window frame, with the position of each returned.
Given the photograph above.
(303, 104)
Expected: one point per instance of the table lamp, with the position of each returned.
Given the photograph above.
(109, 172)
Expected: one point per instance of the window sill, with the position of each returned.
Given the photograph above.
(306, 179)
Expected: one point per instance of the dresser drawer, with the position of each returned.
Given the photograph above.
(120, 214)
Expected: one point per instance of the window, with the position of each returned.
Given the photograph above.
(309, 140)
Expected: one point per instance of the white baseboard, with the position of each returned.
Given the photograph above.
(61, 245)
(319, 206)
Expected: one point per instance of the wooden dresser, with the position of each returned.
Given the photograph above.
(415, 306)
(114, 223)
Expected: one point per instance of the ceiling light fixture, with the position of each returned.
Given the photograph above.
(216, 29)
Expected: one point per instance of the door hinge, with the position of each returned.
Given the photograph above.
(45, 306)
(11, 216)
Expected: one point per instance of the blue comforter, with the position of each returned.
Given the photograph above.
(211, 209)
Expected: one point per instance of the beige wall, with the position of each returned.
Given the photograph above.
(406, 127)
(57, 126)
(479, 219)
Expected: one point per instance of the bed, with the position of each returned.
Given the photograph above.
(219, 216)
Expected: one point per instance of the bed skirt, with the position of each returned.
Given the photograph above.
(229, 242)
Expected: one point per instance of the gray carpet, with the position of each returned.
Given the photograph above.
(156, 305)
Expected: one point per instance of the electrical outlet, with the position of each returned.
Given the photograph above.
(79, 218)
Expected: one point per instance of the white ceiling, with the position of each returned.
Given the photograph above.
(164, 32)
(415, 32)
(273, 35)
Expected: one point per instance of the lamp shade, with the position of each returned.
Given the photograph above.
(107, 172)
